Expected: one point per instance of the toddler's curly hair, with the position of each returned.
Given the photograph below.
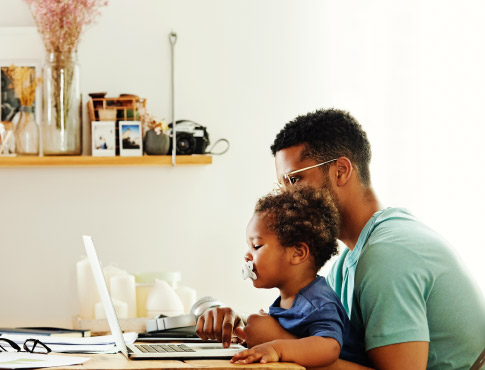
(303, 215)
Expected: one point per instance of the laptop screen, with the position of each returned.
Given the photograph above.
(104, 293)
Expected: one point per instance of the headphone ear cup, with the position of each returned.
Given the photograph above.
(203, 304)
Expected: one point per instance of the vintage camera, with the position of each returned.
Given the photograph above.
(190, 137)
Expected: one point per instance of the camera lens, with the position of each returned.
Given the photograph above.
(185, 143)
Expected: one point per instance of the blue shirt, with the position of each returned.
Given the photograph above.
(317, 311)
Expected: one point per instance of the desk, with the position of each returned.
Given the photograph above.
(119, 362)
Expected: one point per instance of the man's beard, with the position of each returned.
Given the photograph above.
(327, 187)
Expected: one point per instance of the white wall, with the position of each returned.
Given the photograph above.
(410, 72)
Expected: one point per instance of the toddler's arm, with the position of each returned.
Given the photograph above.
(308, 352)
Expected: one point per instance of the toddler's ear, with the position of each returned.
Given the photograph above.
(300, 253)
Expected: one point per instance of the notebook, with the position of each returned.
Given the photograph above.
(150, 350)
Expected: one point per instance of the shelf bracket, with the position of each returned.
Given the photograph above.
(173, 39)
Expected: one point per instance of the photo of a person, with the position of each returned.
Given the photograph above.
(130, 139)
(101, 135)
(130, 136)
(103, 138)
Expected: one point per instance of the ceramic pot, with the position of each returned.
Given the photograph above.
(156, 143)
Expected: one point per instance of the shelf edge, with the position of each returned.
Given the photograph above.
(89, 161)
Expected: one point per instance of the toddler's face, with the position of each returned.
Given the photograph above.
(268, 256)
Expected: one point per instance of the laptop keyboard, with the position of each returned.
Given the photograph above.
(163, 348)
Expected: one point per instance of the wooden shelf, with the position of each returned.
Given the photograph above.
(88, 161)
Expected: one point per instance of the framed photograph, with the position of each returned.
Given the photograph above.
(131, 142)
(21, 47)
(103, 138)
(9, 101)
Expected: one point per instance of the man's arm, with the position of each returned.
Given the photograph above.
(263, 328)
(402, 356)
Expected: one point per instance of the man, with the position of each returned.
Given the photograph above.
(401, 283)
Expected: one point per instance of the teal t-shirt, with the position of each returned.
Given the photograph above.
(403, 283)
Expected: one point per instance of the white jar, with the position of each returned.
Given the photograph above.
(142, 292)
(188, 296)
(87, 290)
(110, 271)
(121, 309)
(162, 299)
(123, 289)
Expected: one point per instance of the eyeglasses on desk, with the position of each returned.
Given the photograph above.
(30, 345)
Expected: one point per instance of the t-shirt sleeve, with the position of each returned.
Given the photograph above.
(391, 296)
(326, 321)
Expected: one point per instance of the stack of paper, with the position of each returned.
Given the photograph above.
(23, 360)
(101, 344)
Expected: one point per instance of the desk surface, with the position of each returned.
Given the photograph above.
(119, 362)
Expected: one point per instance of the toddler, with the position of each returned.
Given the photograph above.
(290, 237)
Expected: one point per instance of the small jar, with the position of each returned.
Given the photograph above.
(26, 132)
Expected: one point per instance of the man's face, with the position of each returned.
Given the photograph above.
(288, 160)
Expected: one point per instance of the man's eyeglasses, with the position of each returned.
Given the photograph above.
(289, 179)
(30, 345)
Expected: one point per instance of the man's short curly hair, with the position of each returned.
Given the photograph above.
(328, 134)
(303, 215)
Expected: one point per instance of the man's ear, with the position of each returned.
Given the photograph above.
(299, 253)
(343, 171)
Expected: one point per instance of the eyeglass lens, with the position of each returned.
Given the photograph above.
(287, 178)
(36, 346)
(8, 345)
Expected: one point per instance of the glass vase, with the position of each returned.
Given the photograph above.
(26, 132)
(62, 105)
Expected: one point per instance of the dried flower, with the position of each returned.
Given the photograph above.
(24, 83)
(61, 22)
(151, 123)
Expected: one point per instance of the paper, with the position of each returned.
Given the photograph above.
(25, 360)
(100, 344)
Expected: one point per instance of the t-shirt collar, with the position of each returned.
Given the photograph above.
(353, 255)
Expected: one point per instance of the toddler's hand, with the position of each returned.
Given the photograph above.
(263, 353)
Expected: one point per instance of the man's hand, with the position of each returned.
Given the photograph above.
(263, 353)
(262, 328)
(220, 323)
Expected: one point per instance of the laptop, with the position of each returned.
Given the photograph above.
(161, 350)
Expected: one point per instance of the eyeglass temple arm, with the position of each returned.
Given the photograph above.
(308, 168)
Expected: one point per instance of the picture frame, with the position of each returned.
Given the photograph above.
(22, 47)
(103, 135)
(130, 139)
(9, 101)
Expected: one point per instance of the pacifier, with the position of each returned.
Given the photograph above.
(247, 271)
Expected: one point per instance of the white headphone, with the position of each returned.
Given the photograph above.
(164, 323)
